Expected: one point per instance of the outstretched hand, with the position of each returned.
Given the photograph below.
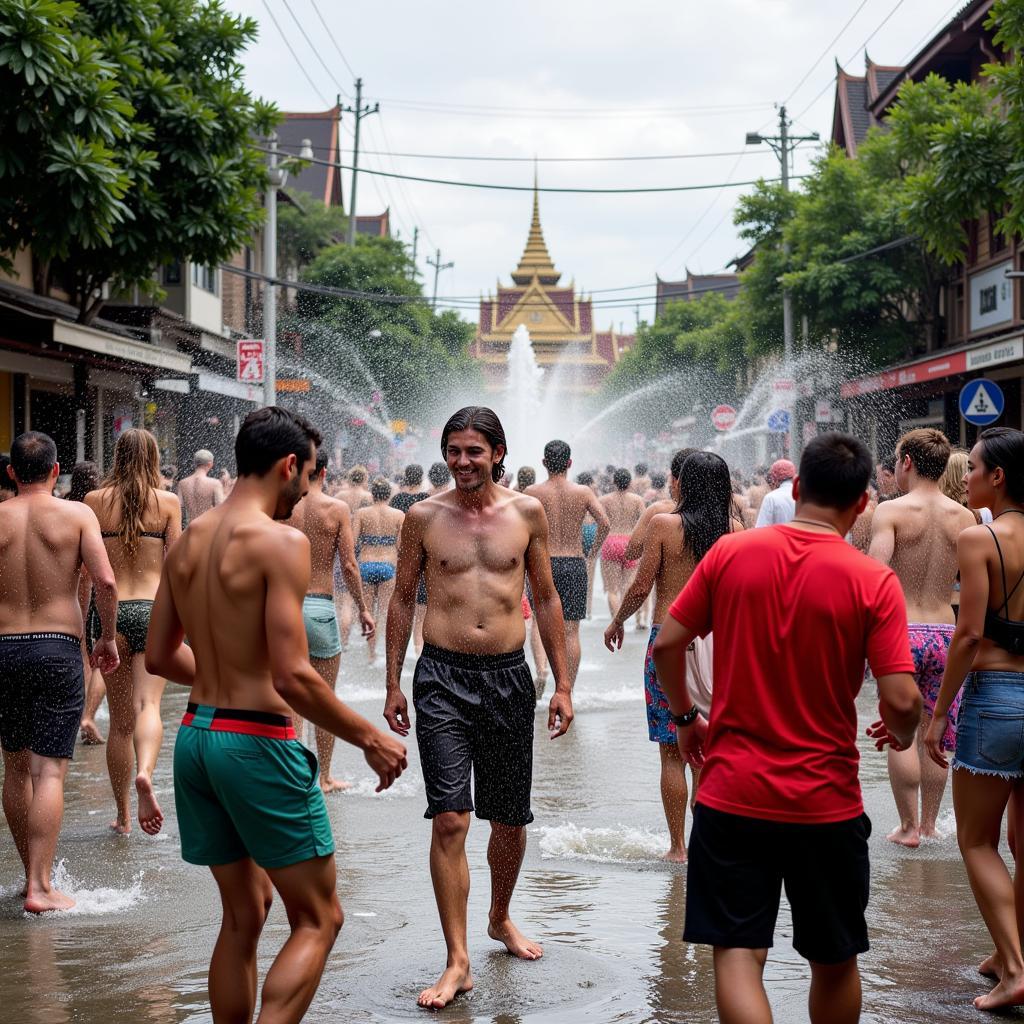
(387, 757)
(879, 732)
(396, 712)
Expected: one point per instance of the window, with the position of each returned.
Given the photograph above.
(996, 242)
(205, 278)
(172, 273)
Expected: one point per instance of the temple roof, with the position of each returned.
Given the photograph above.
(536, 260)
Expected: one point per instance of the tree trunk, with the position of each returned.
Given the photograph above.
(40, 276)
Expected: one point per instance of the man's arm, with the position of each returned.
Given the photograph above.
(172, 525)
(167, 655)
(899, 705)
(883, 535)
(401, 611)
(345, 546)
(218, 492)
(596, 509)
(547, 607)
(104, 588)
(287, 568)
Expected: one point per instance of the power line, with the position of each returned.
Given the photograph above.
(931, 32)
(402, 191)
(330, 35)
(547, 188)
(826, 51)
(316, 52)
(291, 50)
(575, 113)
(523, 109)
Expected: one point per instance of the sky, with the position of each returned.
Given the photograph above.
(574, 78)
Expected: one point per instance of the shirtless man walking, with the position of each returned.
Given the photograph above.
(474, 698)
(916, 535)
(199, 492)
(44, 543)
(624, 509)
(566, 505)
(327, 524)
(246, 790)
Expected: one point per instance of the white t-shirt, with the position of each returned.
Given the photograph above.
(778, 505)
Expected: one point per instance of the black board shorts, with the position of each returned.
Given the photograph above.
(42, 693)
(736, 870)
(570, 576)
(474, 720)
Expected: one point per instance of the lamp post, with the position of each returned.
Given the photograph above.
(276, 178)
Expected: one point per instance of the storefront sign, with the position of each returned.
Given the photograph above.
(94, 340)
(218, 385)
(175, 384)
(1006, 351)
(250, 360)
(916, 373)
(991, 297)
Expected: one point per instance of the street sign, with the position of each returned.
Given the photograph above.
(823, 411)
(250, 360)
(778, 422)
(981, 402)
(723, 417)
(783, 385)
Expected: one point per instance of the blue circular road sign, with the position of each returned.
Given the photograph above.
(778, 422)
(981, 402)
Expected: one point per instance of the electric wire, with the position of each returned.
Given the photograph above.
(824, 53)
(291, 50)
(330, 35)
(316, 52)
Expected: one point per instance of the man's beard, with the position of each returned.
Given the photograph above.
(287, 501)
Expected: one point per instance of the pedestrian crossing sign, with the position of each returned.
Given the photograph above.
(981, 402)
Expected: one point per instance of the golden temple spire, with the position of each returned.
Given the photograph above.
(536, 260)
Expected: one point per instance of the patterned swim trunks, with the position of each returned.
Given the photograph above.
(929, 645)
(660, 727)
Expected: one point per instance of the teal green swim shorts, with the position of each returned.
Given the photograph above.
(244, 786)
(321, 621)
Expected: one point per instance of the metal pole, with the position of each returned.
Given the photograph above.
(787, 302)
(355, 163)
(274, 177)
(437, 273)
(415, 246)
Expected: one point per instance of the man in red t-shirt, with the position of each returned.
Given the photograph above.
(796, 612)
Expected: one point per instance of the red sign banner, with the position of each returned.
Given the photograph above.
(915, 373)
(250, 360)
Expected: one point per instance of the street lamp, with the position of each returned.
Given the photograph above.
(276, 178)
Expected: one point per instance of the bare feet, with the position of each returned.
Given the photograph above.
(43, 902)
(90, 734)
(515, 942)
(931, 832)
(675, 856)
(1007, 993)
(122, 828)
(991, 966)
(454, 981)
(909, 837)
(151, 818)
(333, 785)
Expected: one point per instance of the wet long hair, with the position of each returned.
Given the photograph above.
(705, 501)
(85, 477)
(1004, 447)
(951, 483)
(486, 422)
(132, 479)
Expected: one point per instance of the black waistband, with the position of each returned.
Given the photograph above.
(474, 662)
(325, 597)
(244, 715)
(31, 638)
(567, 558)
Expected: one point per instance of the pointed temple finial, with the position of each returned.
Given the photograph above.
(536, 260)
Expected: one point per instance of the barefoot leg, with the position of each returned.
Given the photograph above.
(449, 872)
(933, 783)
(120, 737)
(44, 819)
(673, 799)
(505, 853)
(17, 799)
(905, 779)
(147, 691)
(835, 993)
(327, 669)
(95, 691)
(739, 986)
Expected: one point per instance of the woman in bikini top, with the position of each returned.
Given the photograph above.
(139, 521)
(376, 529)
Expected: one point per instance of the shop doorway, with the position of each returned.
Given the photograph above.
(53, 412)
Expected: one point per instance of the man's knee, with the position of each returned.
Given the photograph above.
(451, 826)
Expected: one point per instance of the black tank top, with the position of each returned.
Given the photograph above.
(1001, 629)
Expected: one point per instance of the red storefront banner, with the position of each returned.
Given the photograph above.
(915, 373)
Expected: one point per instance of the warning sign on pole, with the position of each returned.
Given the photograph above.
(723, 417)
(981, 402)
(250, 360)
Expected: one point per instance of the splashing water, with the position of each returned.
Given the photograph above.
(622, 845)
(91, 902)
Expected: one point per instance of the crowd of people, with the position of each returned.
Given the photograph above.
(245, 589)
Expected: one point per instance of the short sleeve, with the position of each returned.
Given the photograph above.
(766, 514)
(888, 640)
(692, 608)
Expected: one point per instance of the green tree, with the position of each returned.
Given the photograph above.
(396, 343)
(305, 227)
(127, 140)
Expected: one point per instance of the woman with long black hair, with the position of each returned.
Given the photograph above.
(674, 544)
(139, 522)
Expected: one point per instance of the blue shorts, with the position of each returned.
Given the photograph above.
(321, 621)
(589, 536)
(373, 573)
(660, 727)
(990, 728)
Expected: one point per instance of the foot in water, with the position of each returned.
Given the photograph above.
(91, 736)
(121, 828)
(333, 785)
(454, 981)
(151, 818)
(675, 856)
(908, 837)
(42, 902)
(991, 966)
(515, 942)
(1007, 993)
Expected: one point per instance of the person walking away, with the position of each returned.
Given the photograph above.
(674, 545)
(779, 801)
(641, 482)
(199, 492)
(139, 523)
(354, 493)
(986, 658)
(327, 524)
(778, 505)
(624, 509)
(412, 489)
(566, 505)
(474, 698)
(526, 476)
(916, 535)
(376, 536)
(44, 542)
(589, 532)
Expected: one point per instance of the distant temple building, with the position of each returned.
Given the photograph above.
(560, 322)
(693, 287)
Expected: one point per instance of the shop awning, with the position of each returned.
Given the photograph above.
(219, 385)
(93, 340)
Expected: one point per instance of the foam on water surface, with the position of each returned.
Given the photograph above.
(409, 785)
(623, 844)
(90, 902)
(604, 699)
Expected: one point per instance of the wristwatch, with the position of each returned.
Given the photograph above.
(687, 717)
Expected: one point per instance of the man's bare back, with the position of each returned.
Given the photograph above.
(327, 524)
(624, 510)
(566, 505)
(199, 493)
(355, 497)
(918, 533)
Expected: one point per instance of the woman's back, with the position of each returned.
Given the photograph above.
(377, 529)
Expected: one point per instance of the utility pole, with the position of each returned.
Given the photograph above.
(438, 267)
(359, 112)
(275, 180)
(415, 246)
(783, 144)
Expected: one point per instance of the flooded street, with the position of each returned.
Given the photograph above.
(592, 890)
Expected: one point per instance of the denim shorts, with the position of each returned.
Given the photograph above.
(990, 728)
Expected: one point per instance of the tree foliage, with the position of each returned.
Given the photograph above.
(401, 348)
(305, 227)
(125, 139)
